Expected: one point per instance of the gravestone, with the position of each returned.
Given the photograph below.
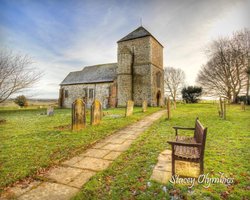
(96, 112)
(50, 111)
(243, 106)
(129, 108)
(144, 106)
(78, 115)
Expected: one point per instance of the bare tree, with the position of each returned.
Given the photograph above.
(225, 74)
(174, 79)
(16, 74)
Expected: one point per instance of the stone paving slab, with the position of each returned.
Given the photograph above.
(95, 164)
(64, 181)
(73, 160)
(163, 169)
(112, 155)
(82, 178)
(63, 174)
(99, 145)
(96, 153)
(18, 190)
(50, 191)
(161, 176)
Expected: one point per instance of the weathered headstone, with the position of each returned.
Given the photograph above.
(129, 108)
(96, 112)
(78, 115)
(144, 106)
(243, 106)
(50, 111)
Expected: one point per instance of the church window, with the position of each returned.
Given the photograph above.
(85, 92)
(158, 79)
(91, 93)
(66, 93)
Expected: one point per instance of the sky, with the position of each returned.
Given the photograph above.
(63, 36)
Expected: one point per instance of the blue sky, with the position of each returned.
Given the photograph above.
(63, 36)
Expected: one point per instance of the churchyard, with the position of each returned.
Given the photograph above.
(33, 142)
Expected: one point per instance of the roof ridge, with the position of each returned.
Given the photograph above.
(138, 33)
(99, 65)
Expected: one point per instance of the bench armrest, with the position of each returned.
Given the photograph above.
(182, 128)
(184, 144)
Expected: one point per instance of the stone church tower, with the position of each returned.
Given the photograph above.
(140, 69)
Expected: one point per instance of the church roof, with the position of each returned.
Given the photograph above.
(92, 74)
(138, 33)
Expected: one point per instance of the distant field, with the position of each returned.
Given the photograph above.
(33, 103)
(31, 140)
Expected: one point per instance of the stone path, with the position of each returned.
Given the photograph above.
(65, 180)
(163, 170)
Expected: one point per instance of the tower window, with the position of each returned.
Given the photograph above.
(158, 79)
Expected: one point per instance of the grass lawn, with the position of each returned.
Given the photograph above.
(227, 151)
(30, 141)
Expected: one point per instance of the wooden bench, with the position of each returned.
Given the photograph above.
(189, 149)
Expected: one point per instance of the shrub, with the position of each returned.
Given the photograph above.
(191, 94)
(21, 101)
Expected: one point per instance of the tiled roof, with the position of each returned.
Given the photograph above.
(138, 33)
(92, 74)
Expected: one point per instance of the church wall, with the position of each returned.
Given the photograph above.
(101, 92)
(156, 53)
(157, 76)
(140, 47)
(142, 84)
(147, 63)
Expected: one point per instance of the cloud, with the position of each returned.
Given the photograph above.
(63, 36)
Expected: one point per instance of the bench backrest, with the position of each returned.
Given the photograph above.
(200, 134)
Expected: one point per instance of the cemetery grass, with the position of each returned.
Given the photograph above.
(31, 141)
(227, 151)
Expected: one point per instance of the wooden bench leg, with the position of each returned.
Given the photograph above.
(201, 167)
(173, 165)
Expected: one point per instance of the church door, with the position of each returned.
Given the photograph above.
(158, 98)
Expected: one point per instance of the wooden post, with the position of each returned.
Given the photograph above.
(224, 109)
(221, 108)
(168, 108)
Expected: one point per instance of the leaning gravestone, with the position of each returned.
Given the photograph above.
(96, 112)
(129, 108)
(144, 106)
(78, 115)
(50, 111)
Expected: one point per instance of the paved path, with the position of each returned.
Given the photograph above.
(163, 170)
(64, 181)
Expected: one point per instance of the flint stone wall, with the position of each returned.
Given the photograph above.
(101, 92)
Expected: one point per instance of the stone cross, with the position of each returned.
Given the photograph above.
(96, 112)
(129, 108)
(78, 115)
(50, 111)
(144, 106)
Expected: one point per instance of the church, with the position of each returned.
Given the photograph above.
(137, 75)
